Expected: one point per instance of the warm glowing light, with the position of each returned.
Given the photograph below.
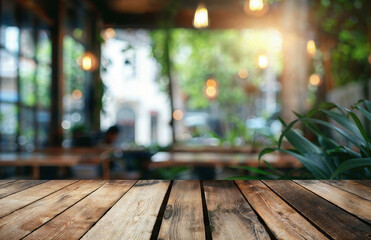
(314, 80)
(211, 83)
(211, 92)
(76, 94)
(311, 47)
(201, 19)
(178, 115)
(108, 33)
(263, 61)
(369, 59)
(255, 8)
(88, 62)
(256, 5)
(243, 73)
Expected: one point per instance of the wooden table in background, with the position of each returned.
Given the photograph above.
(153, 209)
(37, 160)
(217, 159)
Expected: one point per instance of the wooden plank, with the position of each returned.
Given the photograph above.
(350, 202)
(363, 182)
(134, 215)
(18, 186)
(282, 220)
(3, 182)
(77, 220)
(183, 218)
(20, 199)
(352, 187)
(22, 222)
(229, 214)
(332, 220)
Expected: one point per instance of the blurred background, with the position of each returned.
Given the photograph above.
(207, 79)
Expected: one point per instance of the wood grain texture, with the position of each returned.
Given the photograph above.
(282, 220)
(20, 199)
(350, 202)
(134, 215)
(13, 187)
(353, 187)
(183, 217)
(20, 223)
(363, 182)
(77, 220)
(332, 220)
(2, 182)
(230, 216)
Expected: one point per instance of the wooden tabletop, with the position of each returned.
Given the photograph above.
(212, 159)
(153, 209)
(68, 159)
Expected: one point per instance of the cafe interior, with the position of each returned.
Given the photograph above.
(185, 89)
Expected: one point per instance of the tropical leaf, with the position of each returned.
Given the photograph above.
(352, 164)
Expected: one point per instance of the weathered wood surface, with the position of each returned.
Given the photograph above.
(183, 217)
(334, 221)
(283, 220)
(154, 209)
(230, 216)
(75, 221)
(22, 222)
(23, 198)
(352, 203)
(134, 216)
(13, 187)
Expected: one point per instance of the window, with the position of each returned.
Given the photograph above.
(25, 77)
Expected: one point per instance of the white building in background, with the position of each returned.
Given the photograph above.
(132, 98)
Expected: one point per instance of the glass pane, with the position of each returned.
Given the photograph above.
(27, 133)
(27, 36)
(43, 80)
(43, 121)
(8, 126)
(8, 75)
(44, 47)
(74, 91)
(9, 32)
(27, 81)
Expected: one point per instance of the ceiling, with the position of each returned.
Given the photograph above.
(223, 14)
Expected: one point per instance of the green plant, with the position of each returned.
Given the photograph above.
(347, 156)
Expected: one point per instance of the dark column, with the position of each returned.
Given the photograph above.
(57, 33)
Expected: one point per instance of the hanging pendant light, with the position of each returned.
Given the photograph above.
(201, 18)
(256, 8)
(88, 62)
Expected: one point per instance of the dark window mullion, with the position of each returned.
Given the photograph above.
(36, 106)
(18, 23)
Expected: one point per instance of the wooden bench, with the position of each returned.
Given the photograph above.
(153, 209)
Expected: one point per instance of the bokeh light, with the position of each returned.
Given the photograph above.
(314, 80)
(88, 62)
(311, 47)
(243, 73)
(178, 114)
(76, 94)
(201, 19)
(262, 61)
(211, 92)
(256, 5)
(211, 83)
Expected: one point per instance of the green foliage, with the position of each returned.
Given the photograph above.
(343, 27)
(197, 55)
(346, 155)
